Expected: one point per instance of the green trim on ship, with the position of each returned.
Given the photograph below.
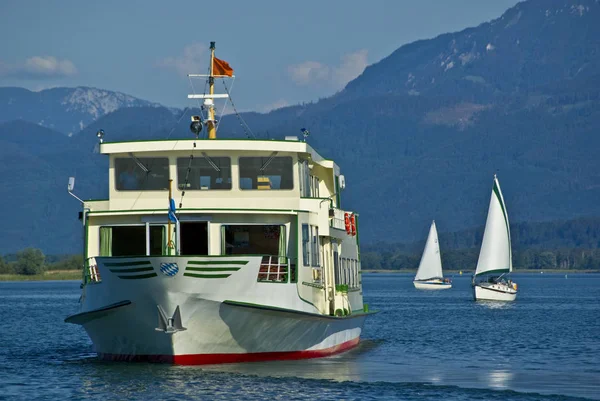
(142, 276)
(217, 262)
(134, 270)
(206, 275)
(133, 263)
(212, 269)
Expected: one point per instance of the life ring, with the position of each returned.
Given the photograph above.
(353, 225)
(347, 223)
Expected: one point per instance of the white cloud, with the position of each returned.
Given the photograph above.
(316, 73)
(39, 67)
(353, 64)
(50, 66)
(192, 61)
(309, 72)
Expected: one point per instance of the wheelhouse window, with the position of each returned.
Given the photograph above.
(204, 173)
(131, 240)
(142, 173)
(266, 173)
(253, 240)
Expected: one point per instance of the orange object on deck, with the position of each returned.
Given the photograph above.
(347, 223)
(353, 225)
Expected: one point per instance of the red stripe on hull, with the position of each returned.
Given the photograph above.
(212, 359)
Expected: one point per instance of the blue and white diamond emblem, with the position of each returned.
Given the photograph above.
(169, 269)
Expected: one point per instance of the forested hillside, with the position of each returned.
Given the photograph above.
(419, 135)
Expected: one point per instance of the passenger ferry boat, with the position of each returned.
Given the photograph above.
(258, 262)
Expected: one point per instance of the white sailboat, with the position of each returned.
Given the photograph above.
(490, 281)
(429, 275)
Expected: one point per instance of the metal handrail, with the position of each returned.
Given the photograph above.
(338, 221)
(91, 273)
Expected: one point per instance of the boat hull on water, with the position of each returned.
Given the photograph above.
(205, 323)
(494, 292)
(432, 285)
(252, 265)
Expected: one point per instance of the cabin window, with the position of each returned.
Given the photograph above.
(346, 271)
(131, 240)
(266, 173)
(305, 245)
(142, 173)
(304, 174)
(203, 173)
(310, 245)
(157, 240)
(254, 239)
(315, 262)
(336, 263)
(193, 238)
(314, 187)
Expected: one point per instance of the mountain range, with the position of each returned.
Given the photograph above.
(66, 110)
(419, 135)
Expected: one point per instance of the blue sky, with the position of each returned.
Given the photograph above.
(282, 52)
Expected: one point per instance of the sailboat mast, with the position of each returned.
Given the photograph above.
(212, 130)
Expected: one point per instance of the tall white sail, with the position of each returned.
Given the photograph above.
(431, 262)
(495, 255)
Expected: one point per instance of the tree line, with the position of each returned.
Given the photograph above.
(31, 261)
(466, 259)
(566, 245)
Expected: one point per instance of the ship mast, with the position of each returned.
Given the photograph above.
(210, 124)
(224, 70)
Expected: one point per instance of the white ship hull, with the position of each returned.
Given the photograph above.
(223, 319)
(493, 292)
(432, 285)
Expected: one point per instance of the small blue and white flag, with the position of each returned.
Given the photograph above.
(172, 211)
(169, 269)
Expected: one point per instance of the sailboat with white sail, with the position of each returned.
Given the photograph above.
(491, 281)
(429, 275)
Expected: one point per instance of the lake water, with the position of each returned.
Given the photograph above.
(421, 346)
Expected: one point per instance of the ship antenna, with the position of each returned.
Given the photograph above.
(305, 133)
(217, 68)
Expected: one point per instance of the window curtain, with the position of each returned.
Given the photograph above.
(223, 241)
(282, 245)
(105, 241)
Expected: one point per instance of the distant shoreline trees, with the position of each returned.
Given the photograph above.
(565, 245)
(32, 261)
(466, 259)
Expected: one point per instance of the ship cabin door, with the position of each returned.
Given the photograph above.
(194, 238)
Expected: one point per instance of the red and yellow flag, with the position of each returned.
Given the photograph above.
(222, 68)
